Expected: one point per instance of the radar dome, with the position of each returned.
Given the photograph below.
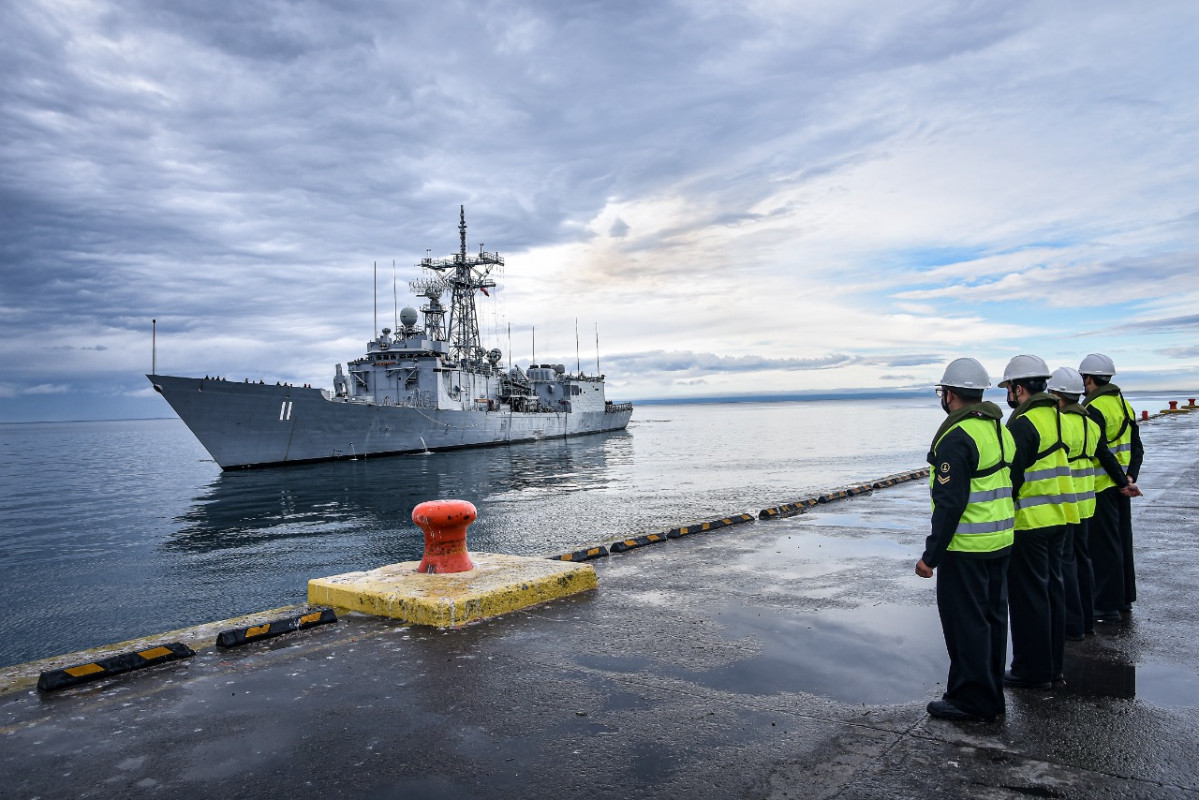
(408, 316)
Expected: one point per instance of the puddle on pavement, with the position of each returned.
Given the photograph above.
(873, 655)
(802, 553)
(1097, 676)
(1105, 675)
(873, 522)
(1167, 685)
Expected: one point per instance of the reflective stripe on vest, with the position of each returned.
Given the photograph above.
(1117, 428)
(988, 522)
(1074, 433)
(1047, 490)
(1081, 435)
(993, 494)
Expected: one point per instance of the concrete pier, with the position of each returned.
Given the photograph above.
(782, 658)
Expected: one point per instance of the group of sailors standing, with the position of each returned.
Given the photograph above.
(1031, 523)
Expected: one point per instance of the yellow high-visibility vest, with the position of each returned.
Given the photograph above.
(988, 523)
(1046, 491)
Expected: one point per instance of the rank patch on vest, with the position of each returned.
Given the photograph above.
(944, 478)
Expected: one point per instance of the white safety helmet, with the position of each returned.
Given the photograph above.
(1097, 364)
(1066, 380)
(1022, 367)
(965, 373)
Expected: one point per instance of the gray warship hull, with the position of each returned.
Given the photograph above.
(245, 425)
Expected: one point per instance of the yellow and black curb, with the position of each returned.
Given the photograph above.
(900, 477)
(724, 522)
(637, 541)
(239, 636)
(788, 509)
(114, 665)
(583, 555)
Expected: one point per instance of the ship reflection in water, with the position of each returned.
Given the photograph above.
(358, 514)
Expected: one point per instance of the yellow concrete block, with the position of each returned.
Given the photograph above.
(498, 584)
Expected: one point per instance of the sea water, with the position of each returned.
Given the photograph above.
(115, 530)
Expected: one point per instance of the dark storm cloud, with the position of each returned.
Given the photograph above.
(1184, 322)
(907, 360)
(687, 362)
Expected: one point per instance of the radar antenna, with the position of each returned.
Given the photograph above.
(434, 311)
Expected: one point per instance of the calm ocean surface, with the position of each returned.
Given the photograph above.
(114, 530)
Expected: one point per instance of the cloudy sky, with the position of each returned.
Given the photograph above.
(741, 198)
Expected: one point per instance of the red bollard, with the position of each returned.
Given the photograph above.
(1144, 415)
(1190, 402)
(1173, 405)
(444, 523)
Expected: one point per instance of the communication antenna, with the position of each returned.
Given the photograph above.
(578, 363)
(375, 288)
(465, 274)
(394, 299)
(597, 369)
(153, 347)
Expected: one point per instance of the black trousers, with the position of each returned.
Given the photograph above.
(1037, 604)
(972, 603)
(1130, 576)
(1107, 552)
(1079, 580)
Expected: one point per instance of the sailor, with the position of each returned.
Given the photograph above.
(1088, 454)
(1111, 530)
(968, 546)
(1041, 484)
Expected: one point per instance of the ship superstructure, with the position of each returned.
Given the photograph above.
(429, 385)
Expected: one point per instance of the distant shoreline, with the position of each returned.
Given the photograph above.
(863, 394)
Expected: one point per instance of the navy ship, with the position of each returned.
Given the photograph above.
(429, 385)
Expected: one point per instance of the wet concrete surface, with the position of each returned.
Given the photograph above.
(789, 658)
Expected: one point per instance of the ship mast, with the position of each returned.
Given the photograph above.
(465, 274)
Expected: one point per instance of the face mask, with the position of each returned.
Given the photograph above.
(944, 403)
(1012, 402)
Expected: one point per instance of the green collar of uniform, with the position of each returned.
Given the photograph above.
(1038, 399)
(1100, 391)
(1073, 408)
(984, 410)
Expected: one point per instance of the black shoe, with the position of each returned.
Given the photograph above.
(1108, 616)
(1075, 637)
(1126, 608)
(1020, 683)
(1059, 679)
(943, 709)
